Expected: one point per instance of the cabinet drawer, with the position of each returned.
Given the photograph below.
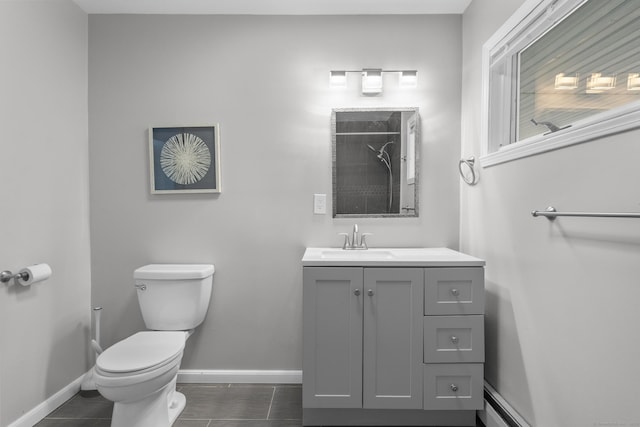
(454, 291)
(456, 386)
(453, 339)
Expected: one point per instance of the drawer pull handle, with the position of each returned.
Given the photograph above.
(455, 292)
(454, 387)
(370, 292)
(356, 292)
(454, 339)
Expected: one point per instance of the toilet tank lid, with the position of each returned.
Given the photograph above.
(173, 271)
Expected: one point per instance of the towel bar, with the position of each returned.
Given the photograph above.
(551, 214)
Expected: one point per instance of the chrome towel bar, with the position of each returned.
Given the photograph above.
(551, 214)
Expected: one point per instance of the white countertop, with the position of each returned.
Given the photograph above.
(389, 257)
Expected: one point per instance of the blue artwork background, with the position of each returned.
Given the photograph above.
(161, 136)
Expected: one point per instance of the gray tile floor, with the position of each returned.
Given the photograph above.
(208, 405)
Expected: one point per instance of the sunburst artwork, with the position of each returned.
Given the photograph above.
(184, 159)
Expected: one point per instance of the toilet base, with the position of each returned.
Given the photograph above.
(160, 409)
(176, 406)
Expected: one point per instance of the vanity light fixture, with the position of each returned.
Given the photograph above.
(566, 82)
(372, 82)
(409, 78)
(598, 83)
(338, 79)
(633, 81)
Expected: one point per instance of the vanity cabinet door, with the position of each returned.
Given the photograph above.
(392, 358)
(332, 338)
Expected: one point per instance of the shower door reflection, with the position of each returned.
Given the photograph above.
(374, 162)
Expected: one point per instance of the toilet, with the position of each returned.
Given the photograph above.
(139, 373)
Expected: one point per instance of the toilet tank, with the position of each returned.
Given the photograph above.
(173, 297)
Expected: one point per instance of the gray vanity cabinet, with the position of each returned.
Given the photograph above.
(362, 344)
(392, 337)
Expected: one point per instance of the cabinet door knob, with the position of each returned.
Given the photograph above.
(453, 387)
(356, 292)
(454, 339)
(370, 292)
(455, 292)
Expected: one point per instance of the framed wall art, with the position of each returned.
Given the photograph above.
(184, 159)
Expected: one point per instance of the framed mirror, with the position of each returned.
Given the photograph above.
(375, 162)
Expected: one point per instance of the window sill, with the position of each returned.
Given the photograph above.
(607, 123)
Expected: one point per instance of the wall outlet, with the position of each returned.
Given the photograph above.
(319, 204)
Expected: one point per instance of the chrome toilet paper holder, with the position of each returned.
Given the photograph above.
(6, 276)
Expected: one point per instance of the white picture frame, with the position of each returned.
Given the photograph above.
(184, 159)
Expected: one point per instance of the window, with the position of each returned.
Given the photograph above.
(559, 73)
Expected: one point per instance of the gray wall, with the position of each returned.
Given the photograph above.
(265, 81)
(44, 329)
(561, 297)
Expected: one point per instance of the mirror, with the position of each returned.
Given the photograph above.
(375, 162)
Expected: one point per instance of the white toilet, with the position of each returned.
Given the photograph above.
(139, 373)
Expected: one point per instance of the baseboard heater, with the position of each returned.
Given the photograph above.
(498, 413)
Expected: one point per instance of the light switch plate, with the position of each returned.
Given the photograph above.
(319, 204)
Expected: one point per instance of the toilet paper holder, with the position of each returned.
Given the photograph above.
(27, 276)
(6, 276)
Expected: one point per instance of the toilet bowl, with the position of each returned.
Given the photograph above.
(139, 373)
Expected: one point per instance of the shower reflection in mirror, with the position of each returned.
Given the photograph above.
(374, 162)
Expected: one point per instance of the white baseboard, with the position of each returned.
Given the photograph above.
(239, 376)
(35, 415)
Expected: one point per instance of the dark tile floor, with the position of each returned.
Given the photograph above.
(208, 405)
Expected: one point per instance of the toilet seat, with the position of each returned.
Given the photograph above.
(141, 352)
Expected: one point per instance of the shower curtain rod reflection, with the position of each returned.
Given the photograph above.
(551, 214)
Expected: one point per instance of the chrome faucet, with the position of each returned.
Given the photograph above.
(355, 243)
(354, 238)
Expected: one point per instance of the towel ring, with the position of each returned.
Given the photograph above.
(470, 177)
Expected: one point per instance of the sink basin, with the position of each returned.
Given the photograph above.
(369, 254)
(388, 257)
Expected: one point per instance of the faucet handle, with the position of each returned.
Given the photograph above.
(346, 240)
(363, 240)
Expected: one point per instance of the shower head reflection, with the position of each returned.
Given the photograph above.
(384, 157)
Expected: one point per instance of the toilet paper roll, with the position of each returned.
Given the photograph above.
(34, 273)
